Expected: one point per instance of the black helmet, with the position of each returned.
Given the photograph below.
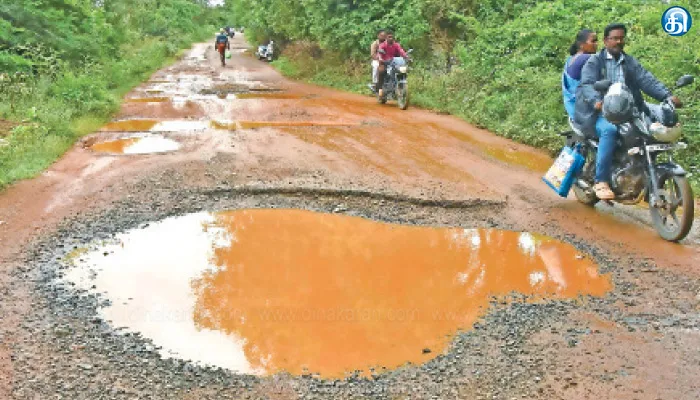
(618, 104)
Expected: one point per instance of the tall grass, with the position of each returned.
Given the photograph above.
(53, 112)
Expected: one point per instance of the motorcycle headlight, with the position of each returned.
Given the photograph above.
(403, 69)
(665, 134)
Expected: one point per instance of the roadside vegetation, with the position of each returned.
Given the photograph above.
(64, 66)
(495, 63)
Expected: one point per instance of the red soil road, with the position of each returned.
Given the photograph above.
(336, 136)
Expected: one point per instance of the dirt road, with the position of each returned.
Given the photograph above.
(201, 138)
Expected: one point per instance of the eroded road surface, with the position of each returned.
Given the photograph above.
(233, 234)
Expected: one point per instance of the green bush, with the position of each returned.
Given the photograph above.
(65, 65)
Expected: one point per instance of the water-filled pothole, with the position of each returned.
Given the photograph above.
(137, 145)
(148, 99)
(151, 125)
(262, 291)
(269, 96)
(273, 124)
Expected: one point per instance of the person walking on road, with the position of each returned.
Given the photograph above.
(221, 45)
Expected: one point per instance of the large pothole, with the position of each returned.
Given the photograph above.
(264, 291)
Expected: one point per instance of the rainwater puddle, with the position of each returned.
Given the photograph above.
(272, 124)
(148, 100)
(131, 125)
(269, 96)
(226, 126)
(150, 125)
(180, 126)
(137, 145)
(263, 291)
(532, 161)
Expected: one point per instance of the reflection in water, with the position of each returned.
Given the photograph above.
(114, 146)
(137, 145)
(286, 290)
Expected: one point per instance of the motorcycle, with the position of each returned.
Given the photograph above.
(396, 81)
(643, 166)
(265, 52)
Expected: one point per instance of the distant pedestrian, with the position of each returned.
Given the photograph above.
(221, 45)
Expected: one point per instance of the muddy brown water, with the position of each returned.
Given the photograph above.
(269, 96)
(282, 124)
(131, 125)
(263, 291)
(114, 146)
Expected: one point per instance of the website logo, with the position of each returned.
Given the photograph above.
(676, 21)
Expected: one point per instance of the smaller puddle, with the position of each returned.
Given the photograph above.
(150, 125)
(263, 291)
(180, 126)
(148, 100)
(114, 146)
(137, 145)
(154, 91)
(226, 126)
(532, 161)
(271, 124)
(131, 125)
(270, 96)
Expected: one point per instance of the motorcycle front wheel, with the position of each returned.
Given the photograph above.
(674, 220)
(402, 95)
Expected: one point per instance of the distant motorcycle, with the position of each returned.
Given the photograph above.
(265, 52)
(396, 81)
(639, 172)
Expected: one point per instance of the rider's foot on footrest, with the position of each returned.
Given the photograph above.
(603, 192)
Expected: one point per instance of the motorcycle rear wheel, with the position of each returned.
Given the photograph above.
(680, 199)
(402, 95)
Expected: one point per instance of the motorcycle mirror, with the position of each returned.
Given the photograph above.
(685, 80)
(602, 86)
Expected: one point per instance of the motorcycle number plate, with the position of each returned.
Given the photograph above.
(660, 147)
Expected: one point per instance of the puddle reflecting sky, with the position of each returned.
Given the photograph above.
(137, 145)
(263, 291)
